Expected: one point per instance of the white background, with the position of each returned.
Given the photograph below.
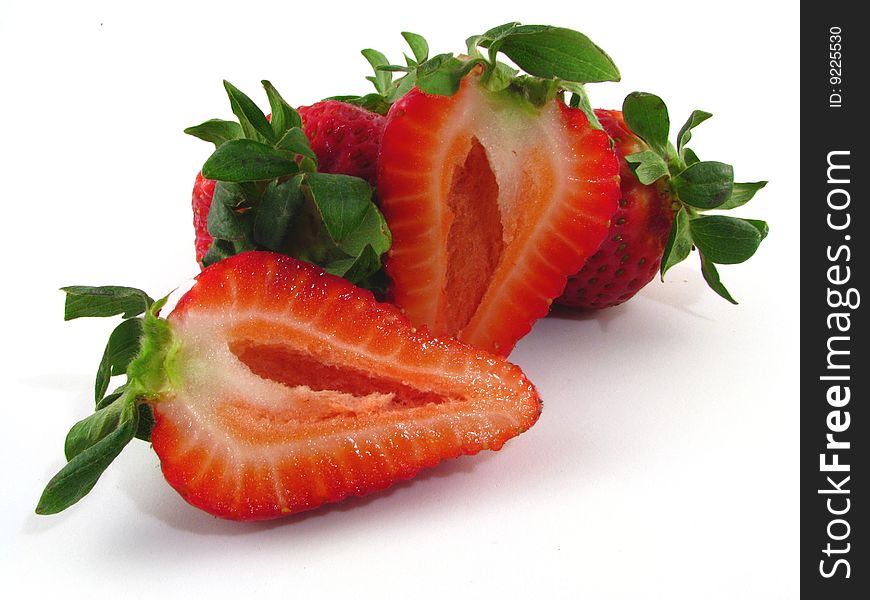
(665, 464)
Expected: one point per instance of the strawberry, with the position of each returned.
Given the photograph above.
(265, 187)
(203, 193)
(275, 388)
(664, 191)
(344, 137)
(495, 192)
(630, 255)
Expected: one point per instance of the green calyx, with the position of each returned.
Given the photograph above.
(696, 187)
(269, 195)
(141, 347)
(553, 60)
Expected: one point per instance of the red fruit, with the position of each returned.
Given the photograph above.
(631, 253)
(203, 192)
(344, 137)
(492, 203)
(290, 388)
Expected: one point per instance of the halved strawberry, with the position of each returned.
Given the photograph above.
(276, 388)
(492, 202)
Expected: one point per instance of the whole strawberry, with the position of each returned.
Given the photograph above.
(344, 139)
(266, 188)
(664, 191)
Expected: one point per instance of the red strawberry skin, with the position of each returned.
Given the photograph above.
(203, 192)
(292, 388)
(344, 137)
(631, 254)
(492, 203)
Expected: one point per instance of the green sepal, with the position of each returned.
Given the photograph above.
(741, 194)
(145, 423)
(647, 116)
(647, 166)
(679, 243)
(104, 301)
(696, 118)
(219, 250)
(248, 160)
(356, 269)
(580, 99)
(121, 349)
(704, 185)
(216, 131)
(295, 142)
(342, 201)
(280, 205)
(92, 429)
(442, 74)
(725, 240)
(81, 473)
(550, 52)
(382, 79)
(418, 44)
(252, 120)
(284, 116)
(711, 276)
(371, 102)
(689, 157)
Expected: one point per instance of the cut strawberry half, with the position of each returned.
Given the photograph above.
(276, 388)
(492, 202)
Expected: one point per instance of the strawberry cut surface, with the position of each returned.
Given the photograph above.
(291, 388)
(492, 203)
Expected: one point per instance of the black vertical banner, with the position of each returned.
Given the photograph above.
(835, 226)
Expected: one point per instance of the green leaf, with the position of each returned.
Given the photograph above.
(295, 141)
(648, 166)
(647, 116)
(110, 398)
(371, 102)
(371, 231)
(284, 116)
(342, 201)
(224, 223)
(104, 301)
(254, 123)
(711, 276)
(121, 349)
(705, 184)
(356, 269)
(216, 131)
(679, 243)
(401, 87)
(247, 160)
(146, 422)
(741, 194)
(281, 204)
(580, 99)
(442, 74)
(418, 45)
(696, 118)
(725, 240)
(556, 52)
(689, 156)
(92, 429)
(382, 79)
(219, 250)
(761, 226)
(80, 474)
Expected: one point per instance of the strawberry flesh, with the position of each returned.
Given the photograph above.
(293, 388)
(492, 202)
